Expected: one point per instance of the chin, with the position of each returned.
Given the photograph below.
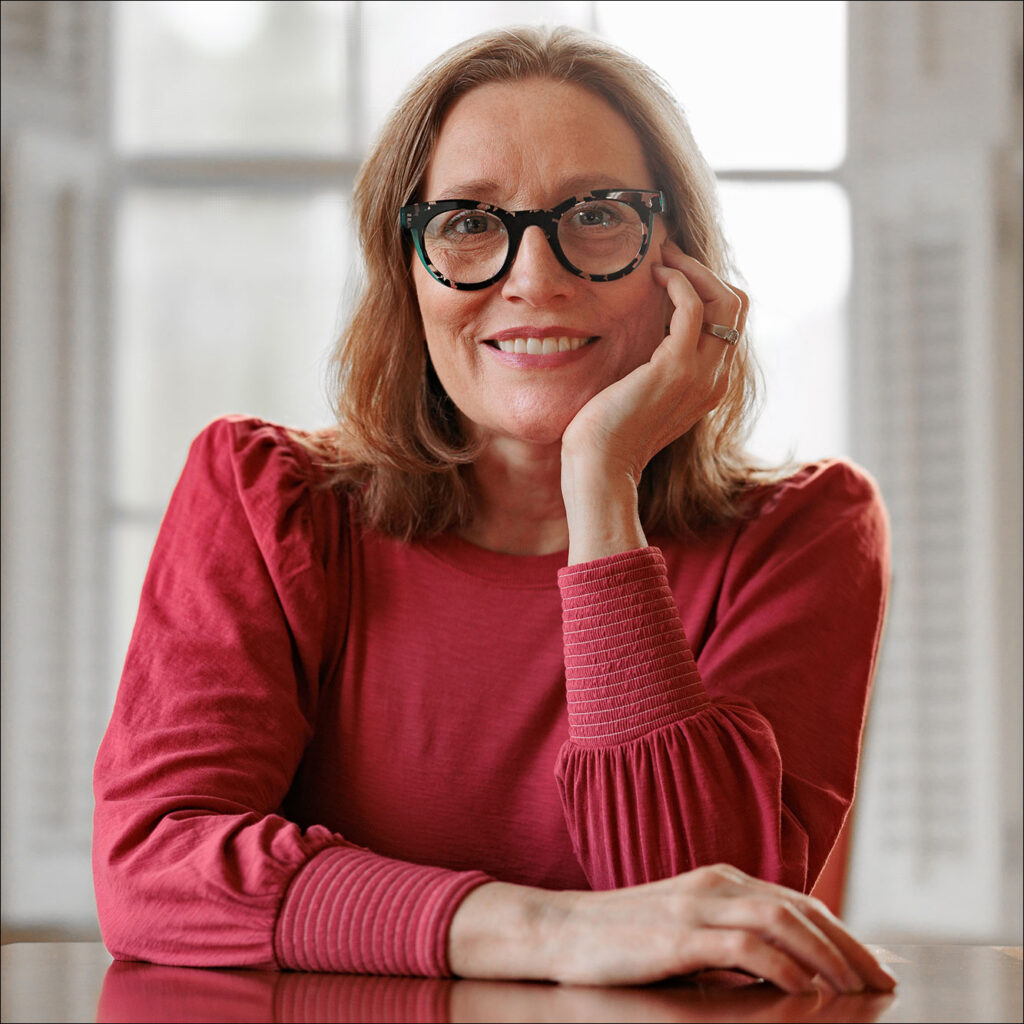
(542, 424)
(541, 433)
(535, 430)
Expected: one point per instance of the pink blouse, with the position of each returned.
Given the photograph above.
(325, 738)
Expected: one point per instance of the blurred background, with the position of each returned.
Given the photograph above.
(176, 245)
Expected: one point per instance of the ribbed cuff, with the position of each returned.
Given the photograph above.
(353, 911)
(628, 665)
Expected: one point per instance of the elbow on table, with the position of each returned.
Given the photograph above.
(164, 916)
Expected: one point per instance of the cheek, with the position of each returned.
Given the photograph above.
(649, 311)
(446, 325)
(424, 300)
(437, 312)
(447, 317)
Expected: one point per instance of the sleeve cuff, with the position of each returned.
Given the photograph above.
(628, 665)
(352, 911)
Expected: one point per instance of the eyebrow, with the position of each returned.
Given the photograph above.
(467, 189)
(578, 185)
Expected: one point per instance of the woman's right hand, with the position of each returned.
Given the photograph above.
(709, 918)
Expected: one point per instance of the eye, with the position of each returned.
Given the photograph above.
(595, 215)
(470, 222)
(471, 225)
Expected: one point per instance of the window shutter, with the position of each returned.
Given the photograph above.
(55, 688)
(937, 420)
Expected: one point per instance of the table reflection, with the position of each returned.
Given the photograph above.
(145, 992)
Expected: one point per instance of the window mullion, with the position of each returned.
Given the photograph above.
(273, 171)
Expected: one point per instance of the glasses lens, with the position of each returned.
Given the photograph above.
(601, 236)
(466, 246)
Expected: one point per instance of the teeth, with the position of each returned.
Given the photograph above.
(541, 346)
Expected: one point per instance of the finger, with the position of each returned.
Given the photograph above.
(781, 923)
(684, 343)
(687, 320)
(745, 300)
(688, 310)
(857, 955)
(719, 341)
(673, 256)
(723, 303)
(738, 949)
(708, 366)
(874, 974)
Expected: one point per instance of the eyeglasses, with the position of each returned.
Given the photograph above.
(600, 236)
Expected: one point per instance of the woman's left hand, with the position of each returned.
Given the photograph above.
(612, 438)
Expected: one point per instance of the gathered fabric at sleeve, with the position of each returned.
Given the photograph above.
(241, 610)
(748, 753)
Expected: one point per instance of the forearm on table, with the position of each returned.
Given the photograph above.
(502, 930)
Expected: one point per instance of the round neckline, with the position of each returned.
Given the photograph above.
(517, 571)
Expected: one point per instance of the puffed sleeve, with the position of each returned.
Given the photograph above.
(747, 754)
(240, 611)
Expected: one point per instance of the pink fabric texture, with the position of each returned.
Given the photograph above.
(325, 738)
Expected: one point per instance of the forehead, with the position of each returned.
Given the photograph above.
(533, 143)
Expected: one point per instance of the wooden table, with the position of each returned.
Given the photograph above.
(76, 981)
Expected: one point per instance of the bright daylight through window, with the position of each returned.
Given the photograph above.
(233, 241)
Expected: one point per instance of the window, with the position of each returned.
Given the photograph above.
(188, 247)
(232, 240)
(770, 119)
(193, 260)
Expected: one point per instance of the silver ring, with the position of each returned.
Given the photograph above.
(728, 334)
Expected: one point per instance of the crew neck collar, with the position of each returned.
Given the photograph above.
(518, 571)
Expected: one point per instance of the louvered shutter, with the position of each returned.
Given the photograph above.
(936, 417)
(55, 690)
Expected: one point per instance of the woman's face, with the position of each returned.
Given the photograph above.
(530, 145)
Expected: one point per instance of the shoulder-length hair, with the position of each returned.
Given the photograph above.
(398, 441)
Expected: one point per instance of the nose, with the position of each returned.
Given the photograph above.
(536, 276)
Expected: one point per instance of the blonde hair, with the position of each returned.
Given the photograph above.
(398, 440)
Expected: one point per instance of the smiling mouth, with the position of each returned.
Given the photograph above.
(540, 346)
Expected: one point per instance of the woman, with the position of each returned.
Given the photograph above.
(417, 696)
